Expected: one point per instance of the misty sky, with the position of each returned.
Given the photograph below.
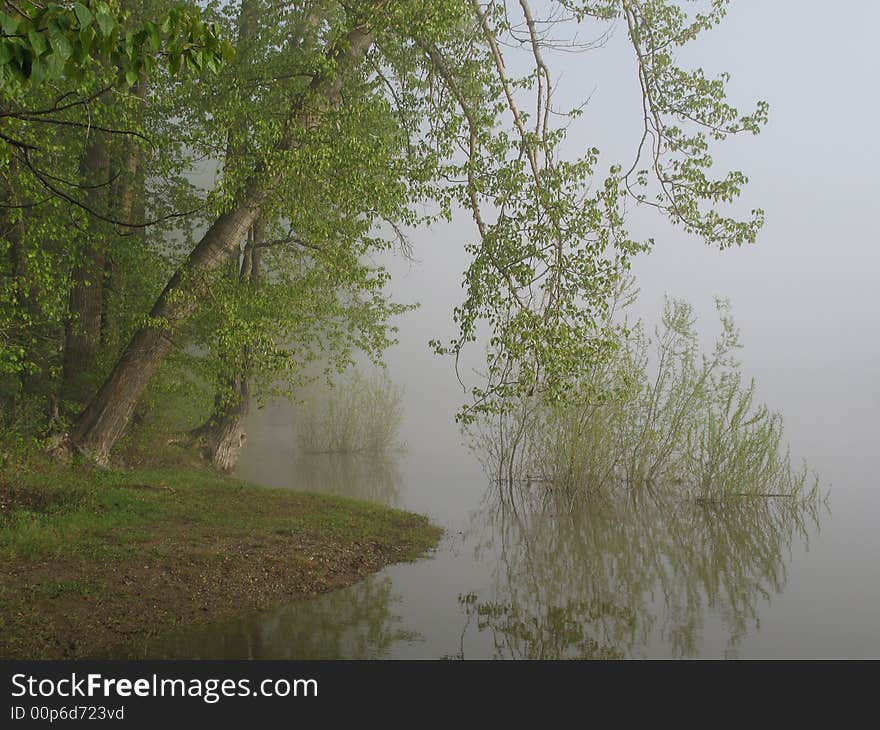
(803, 296)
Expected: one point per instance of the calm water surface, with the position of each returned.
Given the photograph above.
(754, 581)
(620, 579)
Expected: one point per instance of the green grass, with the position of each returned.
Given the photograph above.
(92, 558)
(85, 509)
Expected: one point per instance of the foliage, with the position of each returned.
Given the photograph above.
(341, 125)
(648, 419)
(309, 311)
(47, 43)
(553, 239)
(53, 209)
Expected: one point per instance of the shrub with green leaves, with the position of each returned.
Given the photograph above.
(657, 413)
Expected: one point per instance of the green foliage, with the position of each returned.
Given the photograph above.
(553, 240)
(357, 415)
(22, 419)
(446, 111)
(43, 44)
(309, 311)
(54, 210)
(657, 414)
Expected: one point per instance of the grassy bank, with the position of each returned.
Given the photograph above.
(90, 560)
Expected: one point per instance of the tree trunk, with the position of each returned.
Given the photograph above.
(223, 435)
(128, 194)
(105, 418)
(100, 425)
(83, 329)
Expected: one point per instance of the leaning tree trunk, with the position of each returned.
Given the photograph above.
(82, 335)
(223, 435)
(103, 421)
(100, 425)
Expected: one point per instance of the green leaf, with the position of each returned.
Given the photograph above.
(8, 24)
(55, 65)
(87, 38)
(38, 43)
(227, 50)
(153, 35)
(131, 77)
(61, 46)
(83, 15)
(6, 53)
(105, 23)
(194, 60)
(38, 72)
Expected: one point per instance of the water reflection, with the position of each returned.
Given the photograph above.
(618, 573)
(540, 572)
(273, 458)
(354, 623)
(369, 477)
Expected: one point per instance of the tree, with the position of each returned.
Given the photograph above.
(72, 81)
(415, 102)
(287, 299)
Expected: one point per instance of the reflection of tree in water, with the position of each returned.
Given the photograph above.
(612, 572)
(356, 623)
(370, 477)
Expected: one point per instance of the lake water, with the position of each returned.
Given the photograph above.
(760, 581)
(620, 579)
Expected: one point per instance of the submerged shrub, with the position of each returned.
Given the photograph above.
(358, 414)
(657, 413)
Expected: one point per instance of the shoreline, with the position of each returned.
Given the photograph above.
(91, 561)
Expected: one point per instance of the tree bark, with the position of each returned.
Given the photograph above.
(103, 421)
(128, 194)
(221, 438)
(223, 435)
(82, 336)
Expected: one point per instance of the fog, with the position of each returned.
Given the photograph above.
(804, 297)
